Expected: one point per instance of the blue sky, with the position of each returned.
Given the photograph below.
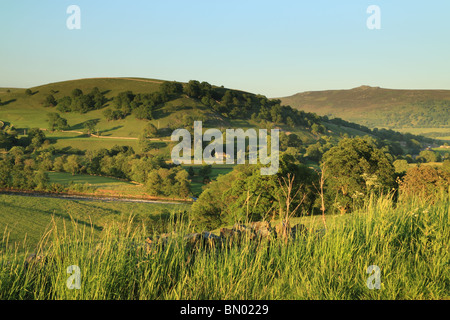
(276, 48)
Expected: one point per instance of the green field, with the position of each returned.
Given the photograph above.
(27, 218)
(101, 185)
(197, 181)
(96, 181)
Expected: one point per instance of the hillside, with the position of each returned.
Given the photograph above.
(380, 107)
(27, 111)
(217, 107)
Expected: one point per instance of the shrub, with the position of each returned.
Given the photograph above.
(424, 181)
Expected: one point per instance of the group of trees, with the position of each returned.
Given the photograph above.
(77, 101)
(142, 105)
(228, 103)
(244, 194)
(25, 162)
(350, 171)
(9, 138)
(414, 143)
(122, 162)
(21, 175)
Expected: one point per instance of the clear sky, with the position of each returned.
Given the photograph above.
(276, 48)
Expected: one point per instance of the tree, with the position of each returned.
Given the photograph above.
(191, 172)
(50, 101)
(182, 184)
(290, 122)
(82, 103)
(76, 93)
(36, 138)
(205, 170)
(64, 104)
(170, 88)
(58, 164)
(123, 101)
(153, 183)
(193, 89)
(98, 99)
(108, 114)
(429, 156)
(41, 179)
(90, 126)
(245, 194)
(149, 132)
(314, 152)
(227, 98)
(206, 89)
(143, 112)
(354, 168)
(401, 166)
(56, 122)
(28, 92)
(317, 129)
(7, 140)
(72, 164)
(424, 181)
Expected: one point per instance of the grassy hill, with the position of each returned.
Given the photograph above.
(380, 107)
(27, 111)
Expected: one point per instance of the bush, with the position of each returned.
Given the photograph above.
(425, 181)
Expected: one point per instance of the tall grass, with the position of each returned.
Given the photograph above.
(408, 241)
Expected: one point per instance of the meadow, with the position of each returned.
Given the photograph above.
(408, 241)
(100, 185)
(26, 219)
(197, 181)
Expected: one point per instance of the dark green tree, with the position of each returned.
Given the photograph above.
(56, 122)
(50, 101)
(353, 169)
(171, 88)
(193, 89)
(90, 126)
(76, 93)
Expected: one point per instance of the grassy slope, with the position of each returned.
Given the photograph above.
(27, 111)
(363, 105)
(31, 216)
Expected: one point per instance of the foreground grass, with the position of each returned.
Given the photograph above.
(408, 242)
